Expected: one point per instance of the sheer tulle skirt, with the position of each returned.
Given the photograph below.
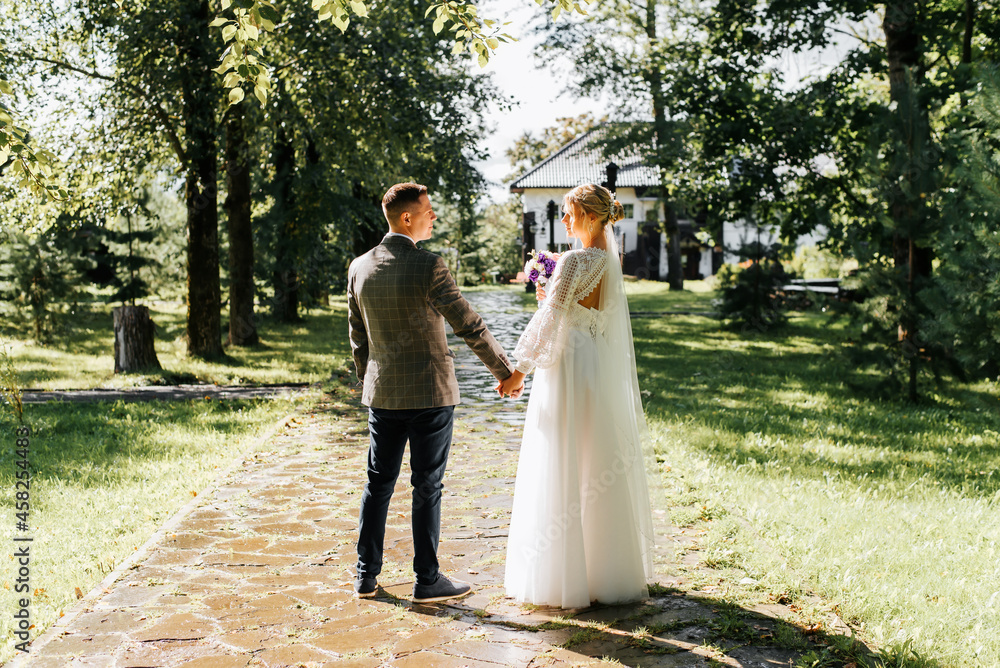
(574, 532)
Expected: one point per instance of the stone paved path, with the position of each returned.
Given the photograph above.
(258, 572)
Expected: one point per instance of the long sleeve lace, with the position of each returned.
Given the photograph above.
(542, 339)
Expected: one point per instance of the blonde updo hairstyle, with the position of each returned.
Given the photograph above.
(595, 199)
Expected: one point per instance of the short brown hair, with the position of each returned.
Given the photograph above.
(400, 198)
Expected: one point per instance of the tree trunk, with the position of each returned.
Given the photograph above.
(675, 275)
(200, 99)
(242, 320)
(134, 335)
(284, 277)
(911, 169)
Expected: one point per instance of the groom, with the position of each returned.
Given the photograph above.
(399, 297)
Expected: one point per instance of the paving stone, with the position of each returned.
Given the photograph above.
(503, 653)
(356, 640)
(360, 662)
(763, 657)
(292, 655)
(425, 639)
(83, 645)
(189, 540)
(230, 559)
(245, 641)
(436, 660)
(134, 596)
(217, 661)
(98, 661)
(176, 627)
(63, 662)
(106, 621)
(319, 597)
(302, 547)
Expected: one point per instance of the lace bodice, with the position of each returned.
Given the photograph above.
(577, 274)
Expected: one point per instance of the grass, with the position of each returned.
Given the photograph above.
(105, 478)
(888, 510)
(82, 356)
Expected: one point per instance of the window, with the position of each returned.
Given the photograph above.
(629, 211)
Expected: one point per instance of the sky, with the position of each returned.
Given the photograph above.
(536, 91)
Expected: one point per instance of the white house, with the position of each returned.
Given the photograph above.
(581, 161)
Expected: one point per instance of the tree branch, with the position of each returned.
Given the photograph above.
(155, 108)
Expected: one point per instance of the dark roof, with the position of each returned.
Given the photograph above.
(582, 161)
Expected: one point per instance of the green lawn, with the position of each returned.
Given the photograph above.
(889, 511)
(305, 352)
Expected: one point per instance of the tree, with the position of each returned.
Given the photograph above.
(618, 51)
(161, 93)
(857, 148)
(351, 115)
(242, 320)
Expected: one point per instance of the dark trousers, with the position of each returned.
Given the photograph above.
(429, 433)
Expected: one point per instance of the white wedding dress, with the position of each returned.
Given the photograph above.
(581, 528)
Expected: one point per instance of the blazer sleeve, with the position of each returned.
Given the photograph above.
(356, 329)
(447, 300)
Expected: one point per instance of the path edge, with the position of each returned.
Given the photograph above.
(137, 556)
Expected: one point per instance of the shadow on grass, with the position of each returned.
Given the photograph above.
(784, 401)
(304, 351)
(102, 444)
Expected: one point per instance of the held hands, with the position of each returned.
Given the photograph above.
(511, 386)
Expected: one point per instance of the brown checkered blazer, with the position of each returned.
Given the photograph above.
(399, 297)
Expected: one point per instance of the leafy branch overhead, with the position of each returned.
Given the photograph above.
(31, 166)
(243, 61)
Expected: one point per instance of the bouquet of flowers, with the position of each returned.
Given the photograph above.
(540, 267)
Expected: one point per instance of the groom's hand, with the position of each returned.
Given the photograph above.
(512, 385)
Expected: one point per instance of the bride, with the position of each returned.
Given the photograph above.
(581, 528)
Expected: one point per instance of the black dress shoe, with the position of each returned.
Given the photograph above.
(441, 590)
(365, 587)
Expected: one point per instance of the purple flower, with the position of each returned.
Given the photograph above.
(550, 265)
(533, 276)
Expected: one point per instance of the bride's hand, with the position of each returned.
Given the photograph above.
(539, 294)
(513, 385)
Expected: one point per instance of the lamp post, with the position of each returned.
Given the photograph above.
(551, 210)
(612, 172)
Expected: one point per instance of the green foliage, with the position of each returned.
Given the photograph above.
(751, 300)
(10, 386)
(30, 165)
(327, 163)
(811, 262)
(248, 20)
(964, 302)
(866, 147)
(37, 274)
(482, 246)
(727, 276)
